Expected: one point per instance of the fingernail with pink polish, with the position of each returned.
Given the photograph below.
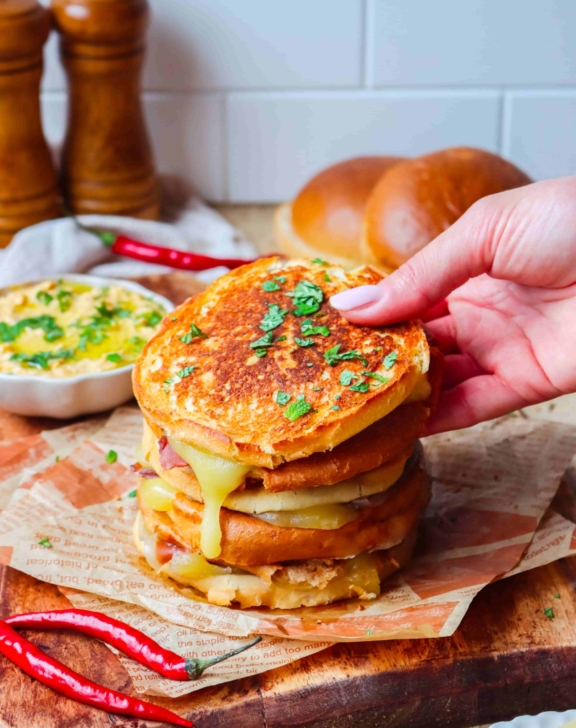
(356, 297)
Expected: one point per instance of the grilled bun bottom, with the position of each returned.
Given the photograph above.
(308, 583)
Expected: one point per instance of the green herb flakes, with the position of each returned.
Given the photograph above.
(297, 409)
(270, 286)
(114, 357)
(333, 356)
(377, 377)
(274, 317)
(327, 277)
(9, 333)
(41, 359)
(111, 456)
(390, 360)
(337, 396)
(186, 371)
(44, 297)
(260, 353)
(549, 612)
(194, 333)
(64, 299)
(280, 279)
(57, 458)
(282, 398)
(132, 494)
(335, 407)
(556, 596)
(308, 329)
(303, 342)
(151, 319)
(317, 389)
(263, 341)
(137, 341)
(360, 387)
(347, 377)
(307, 298)
(319, 261)
(309, 363)
(46, 543)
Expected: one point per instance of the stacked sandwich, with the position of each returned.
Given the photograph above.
(280, 459)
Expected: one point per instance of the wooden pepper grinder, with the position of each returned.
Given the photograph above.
(28, 184)
(107, 165)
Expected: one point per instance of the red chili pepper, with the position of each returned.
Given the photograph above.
(128, 640)
(57, 676)
(149, 253)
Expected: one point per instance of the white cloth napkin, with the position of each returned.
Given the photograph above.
(59, 246)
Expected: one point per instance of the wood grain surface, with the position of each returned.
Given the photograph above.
(506, 659)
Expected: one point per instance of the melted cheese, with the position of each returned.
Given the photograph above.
(218, 477)
(194, 566)
(363, 485)
(421, 391)
(156, 494)
(325, 518)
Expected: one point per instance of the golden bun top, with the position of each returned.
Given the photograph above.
(219, 391)
(382, 210)
(328, 212)
(417, 200)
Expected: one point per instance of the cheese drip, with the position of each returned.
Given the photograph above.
(421, 391)
(218, 477)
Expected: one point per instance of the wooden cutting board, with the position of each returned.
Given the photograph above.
(507, 658)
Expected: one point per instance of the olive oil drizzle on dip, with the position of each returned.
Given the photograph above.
(64, 328)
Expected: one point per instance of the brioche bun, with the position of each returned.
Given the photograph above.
(326, 217)
(417, 200)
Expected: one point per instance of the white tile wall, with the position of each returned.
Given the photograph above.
(248, 98)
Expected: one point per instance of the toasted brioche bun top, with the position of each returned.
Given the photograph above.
(227, 404)
(326, 216)
(418, 199)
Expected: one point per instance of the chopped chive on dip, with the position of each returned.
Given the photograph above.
(66, 328)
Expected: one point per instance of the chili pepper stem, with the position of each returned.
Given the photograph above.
(195, 667)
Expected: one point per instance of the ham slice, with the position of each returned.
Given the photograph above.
(169, 458)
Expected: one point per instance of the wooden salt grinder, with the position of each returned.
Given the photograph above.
(28, 184)
(107, 165)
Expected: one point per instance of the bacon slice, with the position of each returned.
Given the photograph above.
(169, 458)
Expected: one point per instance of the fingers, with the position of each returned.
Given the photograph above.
(458, 368)
(474, 400)
(444, 330)
(462, 252)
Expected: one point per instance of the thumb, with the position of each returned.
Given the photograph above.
(463, 251)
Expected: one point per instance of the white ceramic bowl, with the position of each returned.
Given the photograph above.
(544, 720)
(39, 396)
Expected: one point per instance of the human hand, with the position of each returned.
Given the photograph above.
(507, 268)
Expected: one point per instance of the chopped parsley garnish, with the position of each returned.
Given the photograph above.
(263, 341)
(282, 397)
(270, 286)
(317, 389)
(319, 261)
(308, 329)
(137, 341)
(52, 331)
(347, 377)
(549, 612)
(41, 359)
(556, 596)
(327, 278)
(194, 333)
(279, 338)
(390, 360)
(378, 377)
(114, 357)
(152, 318)
(280, 279)
(64, 299)
(57, 458)
(360, 387)
(297, 409)
(111, 456)
(307, 298)
(46, 543)
(274, 317)
(44, 297)
(337, 396)
(186, 371)
(309, 364)
(335, 407)
(333, 356)
(303, 342)
(132, 494)
(260, 353)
